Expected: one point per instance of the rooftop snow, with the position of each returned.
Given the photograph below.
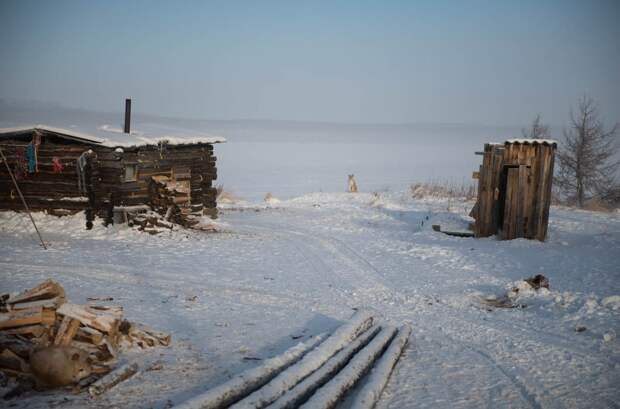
(526, 141)
(153, 136)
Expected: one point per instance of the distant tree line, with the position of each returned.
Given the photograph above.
(587, 158)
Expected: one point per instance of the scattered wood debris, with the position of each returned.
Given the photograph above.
(41, 318)
(113, 378)
(437, 228)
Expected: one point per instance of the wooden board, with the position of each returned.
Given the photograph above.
(19, 318)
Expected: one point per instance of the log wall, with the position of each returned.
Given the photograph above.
(192, 166)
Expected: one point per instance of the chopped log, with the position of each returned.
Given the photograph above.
(104, 322)
(16, 343)
(368, 397)
(34, 331)
(90, 335)
(115, 310)
(147, 335)
(35, 315)
(303, 390)
(89, 299)
(346, 333)
(67, 330)
(330, 394)
(112, 379)
(52, 303)
(46, 290)
(229, 392)
(92, 350)
(12, 361)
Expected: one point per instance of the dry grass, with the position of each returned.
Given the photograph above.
(225, 197)
(444, 190)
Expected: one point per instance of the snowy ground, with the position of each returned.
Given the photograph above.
(299, 267)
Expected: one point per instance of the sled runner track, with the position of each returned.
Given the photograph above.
(356, 263)
(534, 334)
(525, 395)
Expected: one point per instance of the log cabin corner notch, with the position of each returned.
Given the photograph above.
(61, 170)
(514, 189)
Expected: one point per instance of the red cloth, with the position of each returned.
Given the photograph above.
(58, 166)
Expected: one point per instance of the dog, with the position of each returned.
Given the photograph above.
(352, 184)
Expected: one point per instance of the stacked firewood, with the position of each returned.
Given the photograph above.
(42, 317)
(171, 200)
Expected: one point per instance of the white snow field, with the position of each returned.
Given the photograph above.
(278, 275)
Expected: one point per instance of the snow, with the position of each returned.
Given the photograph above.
(277, 275)
(527, 141)
(134, 138)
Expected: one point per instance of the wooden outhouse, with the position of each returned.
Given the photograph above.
(514, 189)
(63, 169)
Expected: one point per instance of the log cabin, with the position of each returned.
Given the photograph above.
(60, 170)
(514, 189)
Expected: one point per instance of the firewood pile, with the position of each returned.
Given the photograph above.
(171, 200)
(42, 317)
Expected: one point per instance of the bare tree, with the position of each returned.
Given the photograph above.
(537, 130)
(586, 159)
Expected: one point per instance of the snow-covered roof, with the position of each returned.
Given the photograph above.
(528, 141)
(135, 138)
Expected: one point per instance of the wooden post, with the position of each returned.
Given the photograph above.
(127, 115)
(8, 168)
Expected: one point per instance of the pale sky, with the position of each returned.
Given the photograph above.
(489, 62)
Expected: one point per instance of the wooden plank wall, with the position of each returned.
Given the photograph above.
(43, 189)
(539, 158)
(528, 169)
(487, 209)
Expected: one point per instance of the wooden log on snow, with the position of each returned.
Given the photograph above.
(330, 394)
(303, 390)
(112, 379)
(146, 335)
(343, 336)
(229, 392)
(46, 290)
(368, 397)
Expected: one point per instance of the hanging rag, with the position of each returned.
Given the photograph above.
(81, 172)
(20, 164)
(31, 157)
(57, 165)
(36, 141)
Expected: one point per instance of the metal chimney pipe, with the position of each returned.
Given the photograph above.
(127, 115)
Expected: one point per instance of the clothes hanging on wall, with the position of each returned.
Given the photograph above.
(81, 172)
(31, 157)
(58, 166)
(20, 164)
